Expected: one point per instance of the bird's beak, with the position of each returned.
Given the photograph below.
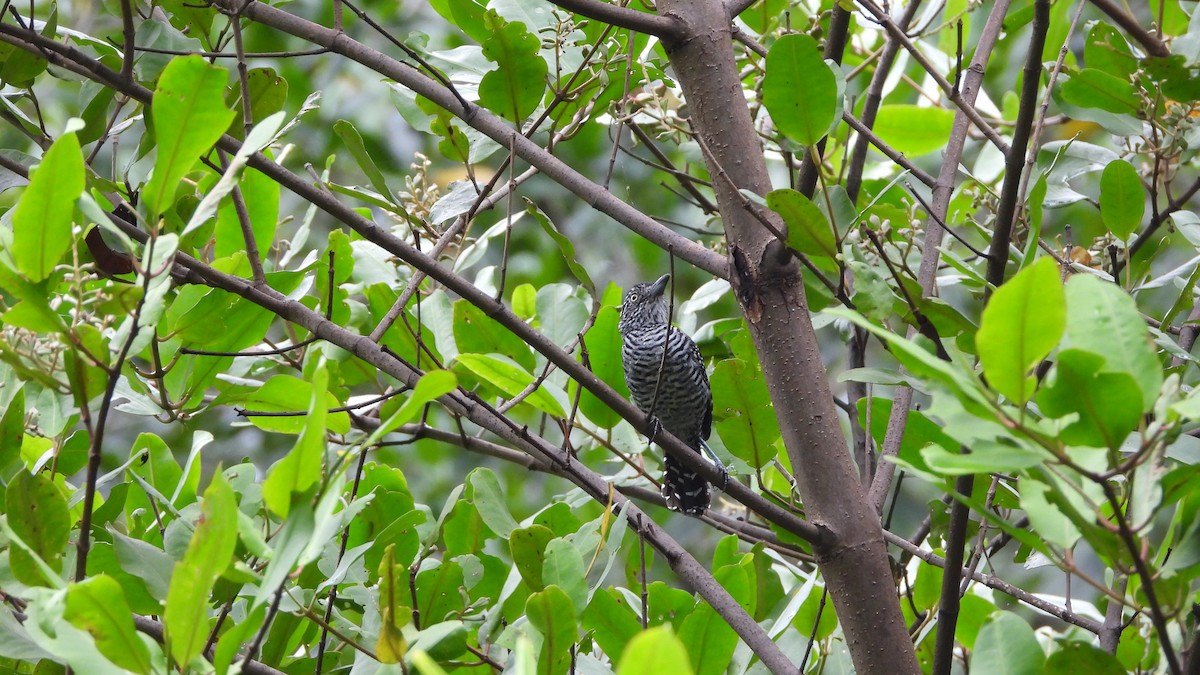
(660, 286)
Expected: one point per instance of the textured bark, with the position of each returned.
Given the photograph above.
(771, 291)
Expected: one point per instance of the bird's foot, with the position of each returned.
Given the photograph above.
(654, 427)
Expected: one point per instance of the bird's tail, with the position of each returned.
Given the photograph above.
(684, 489)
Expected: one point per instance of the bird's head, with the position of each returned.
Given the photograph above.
(645, 305)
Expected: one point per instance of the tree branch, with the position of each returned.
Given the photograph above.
(623, 17)
(490, 125)
(1151, 44)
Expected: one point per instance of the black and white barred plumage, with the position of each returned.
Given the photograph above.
(684, 399)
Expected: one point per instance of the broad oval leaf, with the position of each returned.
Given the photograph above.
(1104, 320)
(1022, 322)
(914, 130)
(189, 114)
(514, 89)
(808, 228)
(1122, 198)
(799, 90)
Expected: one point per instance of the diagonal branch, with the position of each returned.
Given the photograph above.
(490, 125)
(623, 17)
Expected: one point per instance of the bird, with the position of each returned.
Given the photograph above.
(679, 401)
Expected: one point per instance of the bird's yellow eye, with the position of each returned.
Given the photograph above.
(633, 297)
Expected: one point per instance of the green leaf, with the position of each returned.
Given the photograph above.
(432, 384)
(283, 394)
(261, 195)
(37, 513)
(565, 245)
(98, 606)
(655, 651)
(1022, 322)
(41, 220)
(808, 230)
(1108, 405)
(552, 614)
(612, 622)
(510, 379)
(393, 579)
(602, 344)
(710, 641)
(485, 494)
(189, 114)
(528, 548)
(1122, 198)
(742, 406)
(914, 130)
(1045, 518)
(564, 569)
(268, 94)
(208, 554)
(514, 89)
(1006, 644)
(1079, 657)
(440, 591)
(354, 143)
(1103, 319)
(476, 332)
(1094, 88)
(1107, 50)
(301, 468)
(799, 90)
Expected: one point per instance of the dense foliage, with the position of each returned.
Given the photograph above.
(310, 358)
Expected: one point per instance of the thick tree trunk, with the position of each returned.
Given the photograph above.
(770, 289)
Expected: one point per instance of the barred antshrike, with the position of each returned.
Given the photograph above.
(673, 390)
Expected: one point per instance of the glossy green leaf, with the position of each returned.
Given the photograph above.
(1022, 322)
(553, 615)
(41, 221)
(913, 130)
(800, 90)
(98, 606)
(208, 554)
(1094, 88)
(808, 230)
(1122, 198)
(655, 651)
(710, 642)
(477, 333)
(514, 89)
(1006, 645)
(510, 379)
(1107, 405)
(37, 513)
(189, 117)
(1103, 319)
